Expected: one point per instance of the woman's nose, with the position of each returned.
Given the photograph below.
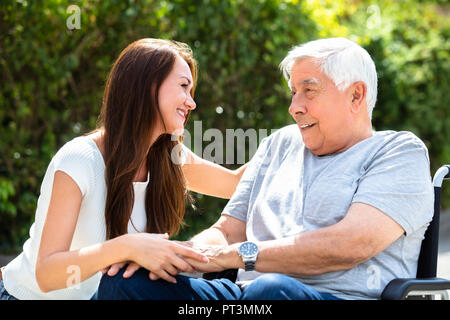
(190, 103)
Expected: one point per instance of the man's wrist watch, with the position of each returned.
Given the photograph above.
(249, 252)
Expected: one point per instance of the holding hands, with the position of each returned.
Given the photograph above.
(162, 257)
(221, 257)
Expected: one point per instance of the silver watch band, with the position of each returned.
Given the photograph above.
(249, 265)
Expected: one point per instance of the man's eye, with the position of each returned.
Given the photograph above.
(310, 92)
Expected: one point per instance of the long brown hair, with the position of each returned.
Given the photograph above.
(129, 113)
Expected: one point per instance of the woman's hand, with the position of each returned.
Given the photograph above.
(132, 266)
(162, 257)
(131, 269)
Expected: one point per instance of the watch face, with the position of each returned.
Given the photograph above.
(248, 249)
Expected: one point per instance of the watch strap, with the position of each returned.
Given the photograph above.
(249, 265)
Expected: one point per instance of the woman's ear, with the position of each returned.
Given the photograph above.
(358, 96)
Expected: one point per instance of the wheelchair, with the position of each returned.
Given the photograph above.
(425, 286)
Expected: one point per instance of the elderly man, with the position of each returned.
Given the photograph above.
(327, 208)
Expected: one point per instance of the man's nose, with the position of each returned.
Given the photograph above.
(297, 106)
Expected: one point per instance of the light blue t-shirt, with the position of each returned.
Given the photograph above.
(287, 190)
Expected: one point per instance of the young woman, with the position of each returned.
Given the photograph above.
(115, 195)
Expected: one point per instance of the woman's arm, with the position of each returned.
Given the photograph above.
(209, 178)
(55, 263)
(54, 258)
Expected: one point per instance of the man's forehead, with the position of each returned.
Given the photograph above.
(304, 81)
(312, 80)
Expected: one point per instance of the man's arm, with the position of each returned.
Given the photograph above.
(363, 233)
(227, 230)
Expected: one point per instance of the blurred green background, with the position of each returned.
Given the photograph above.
(52, 78)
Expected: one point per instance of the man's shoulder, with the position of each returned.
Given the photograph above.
(286, 134)
(389, 146)
(394, 140)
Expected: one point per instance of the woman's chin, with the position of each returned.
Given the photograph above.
(176, 130)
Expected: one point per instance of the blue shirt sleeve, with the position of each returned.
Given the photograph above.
(238, 205)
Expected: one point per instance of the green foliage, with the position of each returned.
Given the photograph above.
(410, 47)
(53, 77)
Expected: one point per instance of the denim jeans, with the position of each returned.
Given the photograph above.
(4, 295)
(269, 286)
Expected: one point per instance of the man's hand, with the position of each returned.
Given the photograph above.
(216, 256)
(221, 257)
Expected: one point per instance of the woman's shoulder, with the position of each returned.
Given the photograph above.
(82, 148)
(81, 159)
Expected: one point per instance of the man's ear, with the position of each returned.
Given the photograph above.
(358, 96)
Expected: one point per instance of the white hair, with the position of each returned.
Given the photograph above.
(342, 60)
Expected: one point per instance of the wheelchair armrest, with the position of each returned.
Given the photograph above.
(398, 289)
